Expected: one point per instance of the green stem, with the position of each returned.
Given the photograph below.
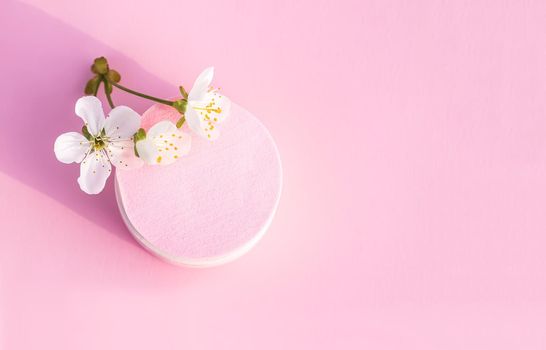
(121, 87)
(98, 86)
(107, 91)
(109, 98)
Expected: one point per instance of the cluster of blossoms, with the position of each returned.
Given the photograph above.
(119, 140)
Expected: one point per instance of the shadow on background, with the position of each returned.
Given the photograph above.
(44, 69)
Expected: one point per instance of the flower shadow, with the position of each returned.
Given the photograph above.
(45, 67)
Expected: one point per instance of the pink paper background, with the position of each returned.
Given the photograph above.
(413, 142)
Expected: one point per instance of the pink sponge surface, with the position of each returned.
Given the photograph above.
(212, 205)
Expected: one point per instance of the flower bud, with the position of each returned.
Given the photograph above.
(92, 86)
(113, 76)
(100, 66)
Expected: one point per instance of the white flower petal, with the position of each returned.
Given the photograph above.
(185, 142)
(122, 155)
(161, 128)
(94, 170)
(71, 147)
(203, 116)
(201, 85)
(122, 123)
(164, 144)
(147, 151)
(89, 108)
(194, 121)
(212, 134)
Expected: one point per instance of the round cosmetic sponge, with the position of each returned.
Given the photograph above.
(212, 205)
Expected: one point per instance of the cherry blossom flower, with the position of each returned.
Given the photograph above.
(106, 142)
(206, 107)
(164, 144)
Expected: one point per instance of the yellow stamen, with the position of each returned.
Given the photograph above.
(209, 109)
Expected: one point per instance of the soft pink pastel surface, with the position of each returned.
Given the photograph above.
(212, 202)
(413, 212)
